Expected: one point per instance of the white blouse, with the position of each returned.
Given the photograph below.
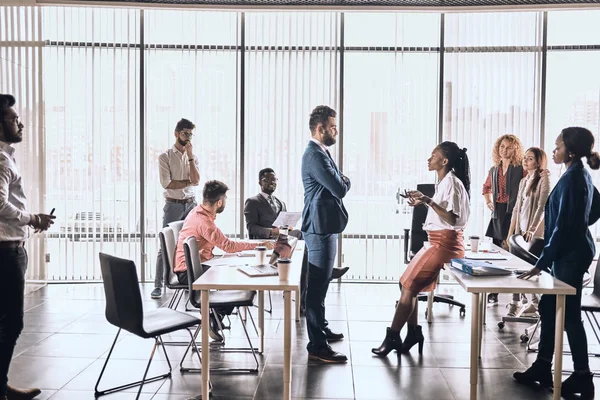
(450, 194)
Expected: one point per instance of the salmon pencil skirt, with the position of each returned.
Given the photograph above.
(423, 270)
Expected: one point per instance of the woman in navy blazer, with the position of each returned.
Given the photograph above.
(573, 205)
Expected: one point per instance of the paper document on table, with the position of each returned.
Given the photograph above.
(288, 218)
(485, 256)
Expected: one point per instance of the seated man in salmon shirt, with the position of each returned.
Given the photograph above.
(200, 223)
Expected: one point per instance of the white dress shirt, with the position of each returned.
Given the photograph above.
(174, 166)
(14, 218)
(451, 195)
(321, 145)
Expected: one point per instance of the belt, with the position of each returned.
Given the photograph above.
(11, 244)
(181, 201)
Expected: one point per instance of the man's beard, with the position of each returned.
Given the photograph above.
(10, 137)
(328, 140)
(221, 209)
(181, 142)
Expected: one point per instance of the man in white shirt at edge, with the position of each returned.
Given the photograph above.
(14, 230)
(178, 169)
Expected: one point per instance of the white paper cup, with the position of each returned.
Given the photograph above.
(284, 230)
(283, 266)
(261, 255)
(474, 243)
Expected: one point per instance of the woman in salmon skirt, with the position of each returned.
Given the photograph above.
(447, 216)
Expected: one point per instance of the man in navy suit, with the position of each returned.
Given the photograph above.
(323, 218)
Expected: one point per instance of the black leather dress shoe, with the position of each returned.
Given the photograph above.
(332, 336)
(339, 272)
(328, 355)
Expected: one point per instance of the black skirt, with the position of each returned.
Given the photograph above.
(498, 227)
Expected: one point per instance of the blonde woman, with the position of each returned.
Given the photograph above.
(501, 188)
(528, 215)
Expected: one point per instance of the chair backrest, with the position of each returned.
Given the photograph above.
(417, 235)
(168, 243)
(176, 226)
(124, 307)
(195, 269)
(520, 248)
(596, 291)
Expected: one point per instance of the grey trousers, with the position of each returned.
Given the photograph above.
(172, 212)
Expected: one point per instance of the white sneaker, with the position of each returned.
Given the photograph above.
(513, 309)
(530, 311)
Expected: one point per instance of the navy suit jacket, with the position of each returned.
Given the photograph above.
(324, 189)
(573, 205)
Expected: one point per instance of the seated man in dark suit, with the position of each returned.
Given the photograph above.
(262, 210)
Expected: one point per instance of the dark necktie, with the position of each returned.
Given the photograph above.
(272, 203)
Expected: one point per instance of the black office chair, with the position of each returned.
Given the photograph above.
(413, 242)
(590, 305)
(125, 311)
(220, 299)
(526, 251)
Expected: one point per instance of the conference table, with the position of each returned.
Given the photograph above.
(479, 286)
(224, 275)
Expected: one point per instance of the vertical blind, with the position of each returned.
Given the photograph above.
(21, 75)
(249, 81)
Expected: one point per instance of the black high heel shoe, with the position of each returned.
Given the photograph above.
(413, 336)
(391, 342)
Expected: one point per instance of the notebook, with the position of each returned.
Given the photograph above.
(259, 270)
(478, 268)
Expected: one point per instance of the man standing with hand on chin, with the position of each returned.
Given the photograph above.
(14, 222)
(323, 218)
(178, 169)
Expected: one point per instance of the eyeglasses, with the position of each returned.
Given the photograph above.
(269, 179)
(14, 120)
(187, 134)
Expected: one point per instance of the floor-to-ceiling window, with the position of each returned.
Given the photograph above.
(400, 82)
(191, 69)
(391, 71)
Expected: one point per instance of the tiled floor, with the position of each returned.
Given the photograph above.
(66, 339)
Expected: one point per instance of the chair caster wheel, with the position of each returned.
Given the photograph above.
(524, 338)
(501, 324)
(462, 312)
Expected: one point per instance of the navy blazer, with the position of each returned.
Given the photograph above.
(324, 189)
(573, 205)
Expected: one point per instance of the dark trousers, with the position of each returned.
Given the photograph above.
(13, 264)
(321, 256)
(572, 274)
(304, 280)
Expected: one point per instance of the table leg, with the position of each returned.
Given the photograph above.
(474, 363)
(483, 308)
(261, 321)
(205, 345)
(297, 305)
(558, 344)
(484, 302)
(430, 307)
(287, 345)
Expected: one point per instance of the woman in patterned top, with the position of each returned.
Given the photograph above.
(501, 188)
